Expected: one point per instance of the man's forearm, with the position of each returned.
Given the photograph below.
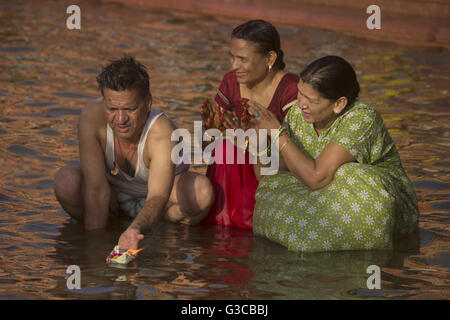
(151, 212)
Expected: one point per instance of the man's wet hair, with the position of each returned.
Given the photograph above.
(125, 73)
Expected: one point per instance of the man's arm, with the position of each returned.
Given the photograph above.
(96, 188)
(160, 182)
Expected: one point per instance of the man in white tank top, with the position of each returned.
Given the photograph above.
(125, 161)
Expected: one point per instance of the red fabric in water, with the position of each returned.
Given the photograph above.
(235, 184)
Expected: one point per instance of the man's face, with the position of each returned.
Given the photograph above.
(126, 112)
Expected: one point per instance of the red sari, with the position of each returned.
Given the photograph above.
(235, 184)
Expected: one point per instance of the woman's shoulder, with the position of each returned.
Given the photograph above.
(229, 84)
(364, 106)
(361, 114)
(230, 76)
(290, 77)
(289, 81)
(285, 94)
(228, 93)
(361, 109)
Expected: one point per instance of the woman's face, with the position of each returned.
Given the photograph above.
(315, 108)
(250, 65)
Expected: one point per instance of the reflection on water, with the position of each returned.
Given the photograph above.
(48, 73)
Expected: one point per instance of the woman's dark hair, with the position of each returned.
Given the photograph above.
(125, 74)
(332, 77)
(265, 35)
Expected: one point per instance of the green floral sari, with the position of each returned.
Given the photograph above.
(368, 203)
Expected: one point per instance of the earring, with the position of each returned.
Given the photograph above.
(270, 68)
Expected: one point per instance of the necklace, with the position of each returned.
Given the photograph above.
(128, 168)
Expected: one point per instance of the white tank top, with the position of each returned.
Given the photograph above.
(125, 186)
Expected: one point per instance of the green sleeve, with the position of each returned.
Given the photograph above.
(358, 132)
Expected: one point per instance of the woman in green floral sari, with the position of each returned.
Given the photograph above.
(341, 185)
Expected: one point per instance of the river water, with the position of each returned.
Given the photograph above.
(47, 74)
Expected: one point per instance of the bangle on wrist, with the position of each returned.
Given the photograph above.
(285, 144)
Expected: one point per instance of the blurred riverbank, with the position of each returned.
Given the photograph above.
(408, 22)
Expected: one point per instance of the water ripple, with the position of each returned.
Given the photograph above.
(47, 78)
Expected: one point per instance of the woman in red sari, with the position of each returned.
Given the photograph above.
(257, 74)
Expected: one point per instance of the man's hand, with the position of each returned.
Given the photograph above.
(130, 239)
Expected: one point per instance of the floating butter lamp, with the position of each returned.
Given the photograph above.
(120, 256)
(115, 170)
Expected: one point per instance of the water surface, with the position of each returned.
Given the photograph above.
(48, 74)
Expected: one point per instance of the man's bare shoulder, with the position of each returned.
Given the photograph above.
(93, 119)
(93, 114)
(159, 137)
(93, 109)
(162, 128)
